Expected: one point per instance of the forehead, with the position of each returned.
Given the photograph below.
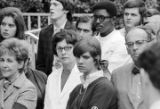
(63, 43)
(84, 25)
(136, 34)
(55, 2)
(131, 10)
(101, 12)
(8, 19)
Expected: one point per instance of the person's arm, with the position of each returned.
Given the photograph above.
(27, 98)
(104, 97)
(40, 62)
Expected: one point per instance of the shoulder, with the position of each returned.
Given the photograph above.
(122, 71)
(36, 74)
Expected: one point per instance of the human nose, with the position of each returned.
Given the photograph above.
(135, 46)
(81, 33)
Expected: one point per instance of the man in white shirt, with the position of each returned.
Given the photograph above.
(149, 62)
(112, 42)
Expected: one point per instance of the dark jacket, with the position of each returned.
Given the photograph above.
(45, 52)
(39, 79)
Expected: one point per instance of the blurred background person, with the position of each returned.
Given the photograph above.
(149, 62)
(61, 18)
(132, 15)
(65, 77)
(17, 92)
(84, 26)
(95, 90)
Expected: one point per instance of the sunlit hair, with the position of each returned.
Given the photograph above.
(91, 45)
(17, 16)
(16, 47)
(136, 4)
(149, 60)
(70, 36)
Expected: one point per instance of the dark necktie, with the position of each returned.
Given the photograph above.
(135, 71)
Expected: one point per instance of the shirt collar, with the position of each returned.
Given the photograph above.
(90, 78)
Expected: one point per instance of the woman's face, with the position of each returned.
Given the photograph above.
(8, 27)
(65, 52)
(9, 67)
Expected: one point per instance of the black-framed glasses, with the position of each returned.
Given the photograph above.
(66, 48)
(138, 43)
(101, 18)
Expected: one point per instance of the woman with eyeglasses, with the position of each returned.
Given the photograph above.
(65, 76)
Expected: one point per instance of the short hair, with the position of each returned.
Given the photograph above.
(68, 7)
(17, 16)
(84, 19)
(91, 45)
(16, 47)
(108, 6)
(148, 31)
(150, 12)
(70, 36)
(149, 60)
(136, 4)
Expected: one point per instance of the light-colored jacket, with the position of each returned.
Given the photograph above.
(121, 79)
(21, 91)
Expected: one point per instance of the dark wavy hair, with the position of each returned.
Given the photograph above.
(17, 16)
(70, 36)
(149, 60)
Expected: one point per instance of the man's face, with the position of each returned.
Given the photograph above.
(56, 9)
(102, 21)
(86, 63)
(136, 42)
(132, 17)
(84, 29)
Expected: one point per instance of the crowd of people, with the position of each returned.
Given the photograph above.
(86, 65)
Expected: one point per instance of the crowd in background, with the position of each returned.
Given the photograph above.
(89, 64)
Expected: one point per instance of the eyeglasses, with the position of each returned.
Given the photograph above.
(101, 17)
(138, 43)
(66, 48)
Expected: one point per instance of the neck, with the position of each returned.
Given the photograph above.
(92, 71)
(107, 32)
(13, 77)
(68, 66)
(60, 21)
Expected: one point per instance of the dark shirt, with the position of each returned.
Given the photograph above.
(100, 94)
(39, 79)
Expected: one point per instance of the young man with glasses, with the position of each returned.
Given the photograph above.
(112, 42)
(127, 79)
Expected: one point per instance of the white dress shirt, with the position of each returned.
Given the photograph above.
(114, 50)
(55, 98)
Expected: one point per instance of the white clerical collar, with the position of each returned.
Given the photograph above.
(91, 77)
